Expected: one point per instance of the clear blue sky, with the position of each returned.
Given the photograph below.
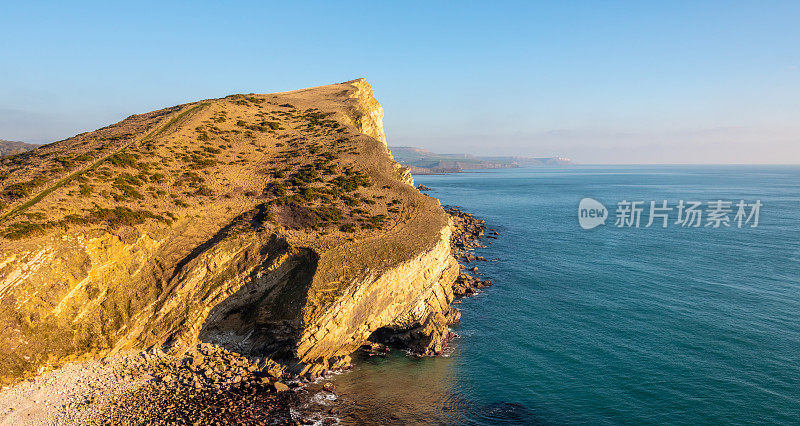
(599, 81)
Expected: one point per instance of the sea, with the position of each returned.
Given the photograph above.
(617, 324)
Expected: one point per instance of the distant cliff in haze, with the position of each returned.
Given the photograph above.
(421, 161)
(12, 147)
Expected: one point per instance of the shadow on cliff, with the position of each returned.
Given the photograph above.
(264, 317)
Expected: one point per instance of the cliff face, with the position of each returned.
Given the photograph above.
(366, 112)
(275, 225)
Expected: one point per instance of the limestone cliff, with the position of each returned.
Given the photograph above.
(275, 225)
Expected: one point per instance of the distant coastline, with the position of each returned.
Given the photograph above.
(14, 147)
(423, 162)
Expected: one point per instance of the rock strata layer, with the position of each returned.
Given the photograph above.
(209, 384)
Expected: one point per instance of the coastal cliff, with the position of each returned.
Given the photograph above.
(273, 225)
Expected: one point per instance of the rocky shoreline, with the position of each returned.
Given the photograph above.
(468, 234)
(207, 385)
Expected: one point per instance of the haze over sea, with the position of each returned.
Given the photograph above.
(610, 325)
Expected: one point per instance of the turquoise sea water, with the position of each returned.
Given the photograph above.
(610, 325)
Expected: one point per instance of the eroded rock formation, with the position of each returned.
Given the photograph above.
(276, 225)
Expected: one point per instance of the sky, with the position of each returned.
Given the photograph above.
(597, 81)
